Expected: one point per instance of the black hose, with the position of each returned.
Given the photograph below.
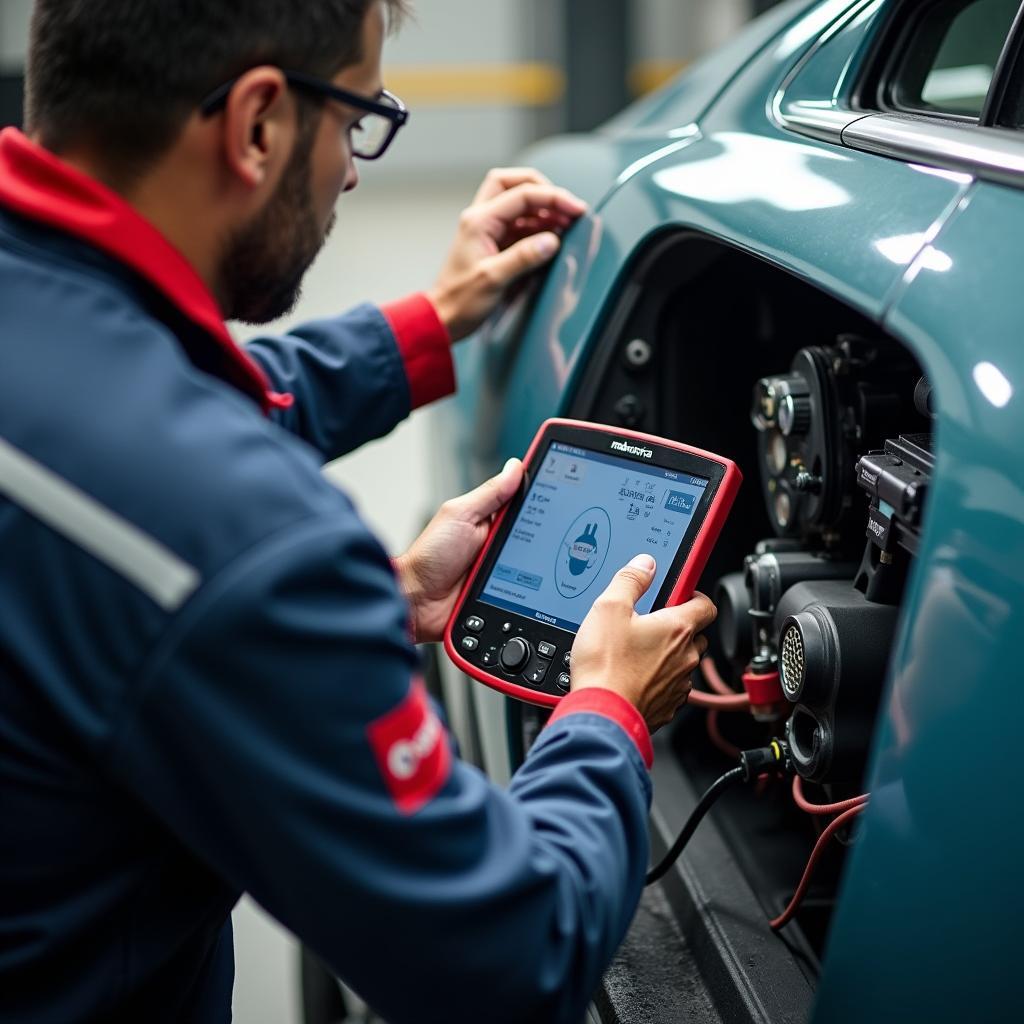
(716, 789)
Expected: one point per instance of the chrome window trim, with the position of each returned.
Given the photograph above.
(815, 118)
(991, 154)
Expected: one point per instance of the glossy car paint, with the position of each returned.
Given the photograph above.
(924, 929)
(930, 906)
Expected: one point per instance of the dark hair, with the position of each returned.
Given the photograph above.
(123, 76)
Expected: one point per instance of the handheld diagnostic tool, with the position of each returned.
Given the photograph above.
(593, 497)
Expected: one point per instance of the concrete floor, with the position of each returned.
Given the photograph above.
(390, 240)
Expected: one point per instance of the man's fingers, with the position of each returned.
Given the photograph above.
(525, 227)
(500, 179)
(698, 613)
(491, 496)
(703, 609)
(522, 257)
(630, 583)
(546, 220)
(683, 689)
(549, 217)
(528, 200)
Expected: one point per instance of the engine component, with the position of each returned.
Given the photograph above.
(896, 479)
(924, 398)
(834, 646)
(747, 601)
(812, 421)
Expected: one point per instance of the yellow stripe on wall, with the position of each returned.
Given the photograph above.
(528, 84)
(648, 75)
(477, 85)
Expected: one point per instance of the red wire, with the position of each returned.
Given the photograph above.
(714, 678)
(837, 808)
(737, 702)
(726, 699)
(716, 737)
(819, 848)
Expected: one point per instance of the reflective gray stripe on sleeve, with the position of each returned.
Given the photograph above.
(137, 557)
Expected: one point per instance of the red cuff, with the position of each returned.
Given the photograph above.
(597, 701)
(425, 346)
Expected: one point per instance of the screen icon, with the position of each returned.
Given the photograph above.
(582, 552)
(680, 501)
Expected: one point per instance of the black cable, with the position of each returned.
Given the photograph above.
(717, 788)
(773, 759)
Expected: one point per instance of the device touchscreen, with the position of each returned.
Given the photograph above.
(584, 517)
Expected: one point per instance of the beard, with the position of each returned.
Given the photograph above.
(265, 261)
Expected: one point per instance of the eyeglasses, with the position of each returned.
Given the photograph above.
(371, 135)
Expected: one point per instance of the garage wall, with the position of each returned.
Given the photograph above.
(14, 16)
(484, 78)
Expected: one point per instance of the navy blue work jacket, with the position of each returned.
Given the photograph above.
(206, 681)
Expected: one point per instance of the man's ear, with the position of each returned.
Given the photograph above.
(259, 126)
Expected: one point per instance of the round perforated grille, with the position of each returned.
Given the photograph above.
(791, 669)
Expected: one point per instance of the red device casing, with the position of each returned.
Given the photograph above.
(700, 551)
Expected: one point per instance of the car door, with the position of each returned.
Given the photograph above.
(930, 914)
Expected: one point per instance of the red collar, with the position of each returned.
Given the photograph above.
(36, 185)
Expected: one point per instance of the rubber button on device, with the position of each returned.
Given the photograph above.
(470, 643)
(563, 682)
(506, 627)
(515, 654)
(566, 658)
(488, 658)
(546, 650)
(536, 671)
(474, 623)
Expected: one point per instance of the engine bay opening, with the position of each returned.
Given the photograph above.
(830, 420)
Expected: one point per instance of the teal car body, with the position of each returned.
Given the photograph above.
(761, 147)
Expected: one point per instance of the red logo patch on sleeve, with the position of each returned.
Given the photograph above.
(412, 750)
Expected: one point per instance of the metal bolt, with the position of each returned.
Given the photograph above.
(629, 410)
(638, 353)
(808, 483)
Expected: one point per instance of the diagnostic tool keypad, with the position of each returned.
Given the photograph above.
(513, 648)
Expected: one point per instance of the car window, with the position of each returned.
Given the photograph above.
(947, 55)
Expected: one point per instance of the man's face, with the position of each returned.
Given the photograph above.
(265, 262)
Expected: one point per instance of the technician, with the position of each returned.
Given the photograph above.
(207, 682)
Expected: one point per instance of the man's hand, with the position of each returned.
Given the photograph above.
(648, 659)
(512, 227)
(432, 571)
